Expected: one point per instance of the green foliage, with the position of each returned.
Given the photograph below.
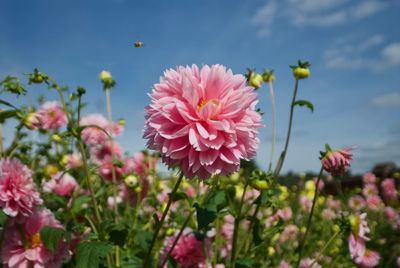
(12, 85)
(51, 236)
(306, 103)
(89, 254)
(205, 216)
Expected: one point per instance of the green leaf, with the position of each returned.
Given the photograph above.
(244, 263)
(51, 236)
(118, 235)
(7, 114)
(205, 216)
(179, 196)
(88, 254)
(306, 103)
(3, 218)
(256, 232)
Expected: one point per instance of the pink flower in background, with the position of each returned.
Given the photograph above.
(140, 164)
(333, 204)
(285, 213)
(391, 214)
(284, 264)
(370, 190)
(15, 255)
(290, 233)
(52, 116)
(389, 188)
(227, 233)
(306, 263)
(106, 150)
(374, 202)
(61, 184)
(105, 169)
(112, 201)
(369, 259)
(336, 162)
(188, 251)
(18, 194)
(328, 213)
(203, 121)
(356, 246)
(306, 203)
(357, 202)
(369, 178)
(95, 136)
(72, 161)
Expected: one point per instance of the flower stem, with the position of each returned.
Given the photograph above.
(301, 247)
(160, 223)
(325, 247)
(283, 155)
(178, 236)
(273, 107)
(236, 227)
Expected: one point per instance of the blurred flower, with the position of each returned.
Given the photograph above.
(369, 259)
(188, 251)
(140, 164)
(357, 202)
(284, 264)
(359, 225)
(306, 263)
(285, 213)
(15, 253)
(336, 162)
(52, 116)
(18, 194)
(106, 150)
(290, 233)
(105, 76)
(203, 121)
(374, 202)
(356, 246)
(389, 188)
(97, 136)
(61, 184)
(106, 166)
(113, 201)
(370, 190)
(391, 214)
(32, 121)
(328, 213)
(369, 178)
(71, 161)
(306, 203)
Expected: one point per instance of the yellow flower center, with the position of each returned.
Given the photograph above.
(35, 240)
(205, 102)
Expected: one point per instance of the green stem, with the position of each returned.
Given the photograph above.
(236, 227)
(160, 223)
(114, 179)
(325, 247)
(283, 155)
(302, 243)
(177, 237)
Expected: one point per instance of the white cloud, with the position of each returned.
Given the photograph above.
(354, 55)
(387, 100)
(317, 13)
(265, 17)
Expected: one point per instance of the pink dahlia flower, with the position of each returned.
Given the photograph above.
(140, 164)
(357, 202)
(391, 214)
(356, 246)
(71, 161)
(359, 226)
(389, 188)
(374, 202)
(15, 255)
(18, 194)
(369, 259)
(96, 136)
(203, 121)
(61, 184)
(106, 168)
(370, 190)
(52, 116)
(106, 150)
(369, 178)
(336, 162)
(188, 251)
(285, 213)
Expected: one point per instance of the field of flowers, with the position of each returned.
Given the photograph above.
(71, 196)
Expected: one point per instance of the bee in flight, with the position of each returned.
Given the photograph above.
(138, 44)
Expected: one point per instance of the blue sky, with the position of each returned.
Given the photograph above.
(353, 45)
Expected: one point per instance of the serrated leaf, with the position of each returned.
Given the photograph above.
(306, 103)
(88, 254)
(205, 216)
(51, 236)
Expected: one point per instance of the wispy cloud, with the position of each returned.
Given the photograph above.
(387, 100)
(317, 13)
(354, 55)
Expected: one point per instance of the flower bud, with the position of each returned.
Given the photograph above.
(301, 70)
(260, 184)
(50, 170)
(56, 138)
(131, 180)
(268, 76)
(105, 77)
(255, 80)
(32, 121)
